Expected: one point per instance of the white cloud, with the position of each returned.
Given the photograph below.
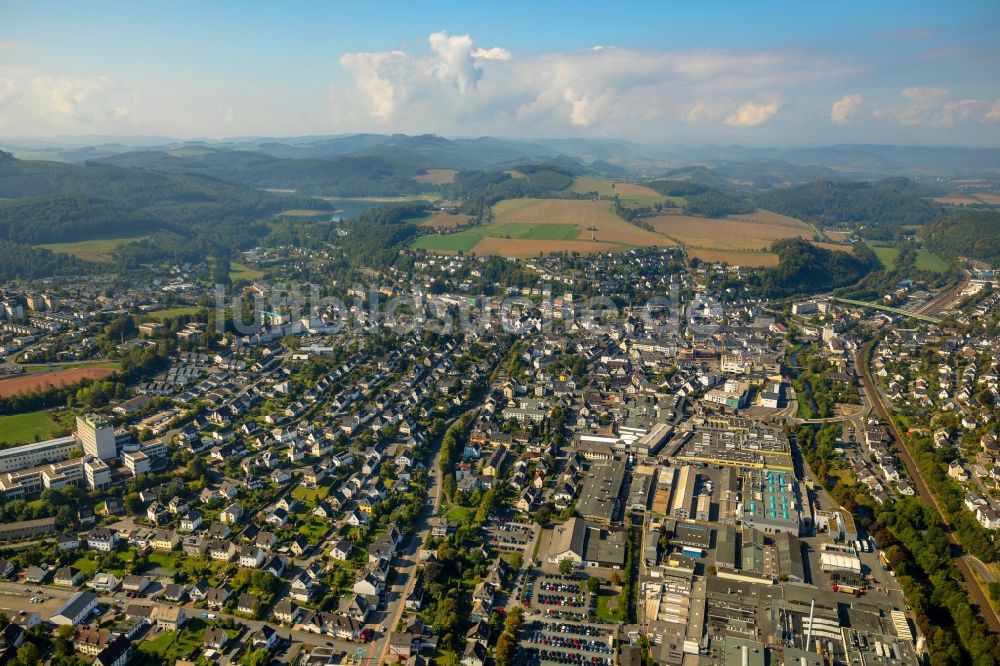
(458, 87)
(994, 112)
(937, 107)
(846, 109)
(495, 53)
(752, 114)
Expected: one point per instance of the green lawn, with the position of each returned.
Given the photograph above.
(45, 367)
(886, 255)
(461, 514)
(310, 495)
(605, 600)
(177, 645)
(926, 260)
(464, 241)
(313, 530)
(86, 565)
(167, 313)
(168, 561)
(27, 428)
(239, 272)
(92, 250)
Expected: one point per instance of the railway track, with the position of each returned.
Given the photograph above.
(976, 592)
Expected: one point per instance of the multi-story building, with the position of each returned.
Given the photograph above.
(97, 436)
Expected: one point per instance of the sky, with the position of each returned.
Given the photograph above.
(753, 73)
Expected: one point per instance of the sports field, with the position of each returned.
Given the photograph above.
(526, 227)
(28, 427)
(42, 380)
(98, 250)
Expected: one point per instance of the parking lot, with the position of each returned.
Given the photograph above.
(509, 536)
(544, 642)
(559, 597)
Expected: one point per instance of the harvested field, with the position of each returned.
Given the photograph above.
(587, 184)
(959, 201)
(445, 221)
(834, 247)
(839, 235)
(750, 232)
(735, 257)
(99, 250)
(437, 176)
(589, 217)
(303, 212)
(43, 380)
(634, 190)
(989, 198)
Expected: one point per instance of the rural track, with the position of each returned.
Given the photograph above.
(976, 591)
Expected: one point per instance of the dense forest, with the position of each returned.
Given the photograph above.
(971, 233)
(704, 200)
(804, 268)
(189, 217)
(877, 210)
(24, 262)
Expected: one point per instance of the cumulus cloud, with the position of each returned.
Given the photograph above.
(846, 108)
(458, 86)
(936, 107)
(67, 103)
(752, 114)
(495, 53)
(994, 112)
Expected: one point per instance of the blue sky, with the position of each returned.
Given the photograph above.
(723, 72)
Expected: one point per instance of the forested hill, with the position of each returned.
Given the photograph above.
(56, 202)
(971, 233)
(882, 208)
(347, 176)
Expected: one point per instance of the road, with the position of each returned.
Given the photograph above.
(976, 591)
(406, 566)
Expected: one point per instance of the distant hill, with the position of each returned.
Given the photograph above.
(881, 209)
(970, 233)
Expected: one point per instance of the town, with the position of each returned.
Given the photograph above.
(558, 469)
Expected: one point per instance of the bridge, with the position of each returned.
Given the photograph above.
(886, 308)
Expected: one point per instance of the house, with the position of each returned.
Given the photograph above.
(68, 577)
(76, 609)
(368, 585)
(164, 540)
(221, 551)
(105, 582)
(475, 654)
(215, 638)
(216, 597)
(168, 618)
(232, 514)
(7, 568)
(301, 588)
(198, 591)
(247, 604)
(191, 520)
(264, 638)
(299, 545)
(103, 540)
(174, 592)
(286, 611)
(117, 653)
(341, 550)
(278, 517)
(37, 574)
(137, 584)
(91, 639)
(415, 599)
(357, 519)
(357, 607)
(251, 557)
